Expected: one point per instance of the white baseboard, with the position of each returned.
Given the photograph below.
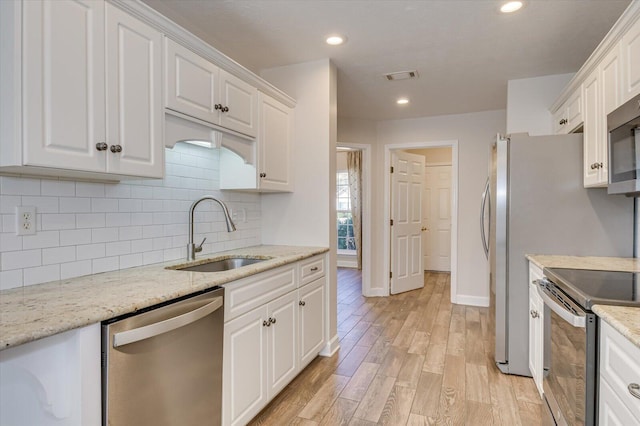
(331, 347)
(347, 264)
(376, 292)
(463, 299)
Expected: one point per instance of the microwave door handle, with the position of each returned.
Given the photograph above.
(552, 302)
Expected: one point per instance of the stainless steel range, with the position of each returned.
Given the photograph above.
(570, 383)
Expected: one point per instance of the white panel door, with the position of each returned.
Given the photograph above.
(244, 377)
(191, 83)
(135, 110)
(407, 180)
(64, 78)
(240, 105)
(283, 342)
(436, 202)
(275, 140)
(311, 303)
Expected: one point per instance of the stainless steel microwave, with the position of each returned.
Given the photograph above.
(623, 125)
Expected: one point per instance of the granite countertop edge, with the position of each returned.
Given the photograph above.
(624, 319)
(38, 311)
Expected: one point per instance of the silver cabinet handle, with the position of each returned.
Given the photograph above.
(534, 314)
(152, 330)
(272, 320)
(102, 146)
(634, 390)
(116, 148)
(302, 303)
(315, 268)
(266, 323)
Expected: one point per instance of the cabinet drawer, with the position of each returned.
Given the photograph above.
(243, 295)
(620, 365)
(311, 269)
(611, 410)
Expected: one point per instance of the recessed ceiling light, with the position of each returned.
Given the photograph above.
(511, 6)
(402, 101)
(336, 40)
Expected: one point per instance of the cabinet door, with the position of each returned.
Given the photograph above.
(283, 342)
(574, 111)
(134, 96)
(533, 343)
(63, 84)
(275, 145)
(631, 62)
(559, 121)
(312, 320)
(611, 411)
(191, 83)
(610, 77)
(244, 375)
(241, 105)
(594, 135)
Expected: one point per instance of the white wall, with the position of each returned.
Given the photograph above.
(528, 102)
(475, 133)
(86, 228)
(307, 216)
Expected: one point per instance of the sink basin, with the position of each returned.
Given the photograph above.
(222, 265)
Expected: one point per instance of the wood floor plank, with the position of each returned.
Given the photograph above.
(418, 420)
(352, 361)
(530, 414)
(478, 414)
(374, 400)
(420, 343)
(322, 401)
(452, 396)
(525, 389)
(392, 362)
(434, 358)
(427, 397)
(477, 379)
(409, 373)
(340, 413)
(398, 406)
(360, 381)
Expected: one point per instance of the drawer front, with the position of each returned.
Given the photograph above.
(311, 269)
(620, 366)
(243, 295)
(611, 411)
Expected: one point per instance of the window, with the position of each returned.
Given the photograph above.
(346, 240)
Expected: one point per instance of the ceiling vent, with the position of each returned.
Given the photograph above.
(401, 75)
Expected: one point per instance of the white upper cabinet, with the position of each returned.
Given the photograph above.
(611, 79)
(134, 96)
(270, 168)
(91, 100)
(595, 136)
(198, 88)
(569, 116)
(631, 60)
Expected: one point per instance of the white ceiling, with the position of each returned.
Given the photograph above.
(464, 51)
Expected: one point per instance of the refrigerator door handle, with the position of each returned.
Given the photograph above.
(486, 194)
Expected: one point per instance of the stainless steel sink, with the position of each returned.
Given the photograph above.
(221, 265)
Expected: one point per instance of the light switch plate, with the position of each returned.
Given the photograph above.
(25, 220)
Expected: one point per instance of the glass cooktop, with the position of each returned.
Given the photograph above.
(588, 287)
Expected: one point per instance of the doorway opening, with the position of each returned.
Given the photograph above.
(439, 239)
(346, 250)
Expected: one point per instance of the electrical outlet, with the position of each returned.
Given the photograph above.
(25, 220)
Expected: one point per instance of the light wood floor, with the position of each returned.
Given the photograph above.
(408, 359)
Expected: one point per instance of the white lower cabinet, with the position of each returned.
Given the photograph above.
(536, 328)
(267, 346)
(312, 319)
(619, 366)
(53, 381)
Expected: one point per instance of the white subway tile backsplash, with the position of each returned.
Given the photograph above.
(41, 274)
(11, 279)
(75, 269)
(58, 255)
(89, 227)
(41, 239)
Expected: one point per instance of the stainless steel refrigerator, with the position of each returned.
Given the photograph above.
(535, 203)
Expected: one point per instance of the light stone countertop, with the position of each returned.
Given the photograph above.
(622, 318)
(34, 312)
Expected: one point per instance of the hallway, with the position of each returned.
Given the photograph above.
(412, 358)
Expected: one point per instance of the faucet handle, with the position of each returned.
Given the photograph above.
(198, 249)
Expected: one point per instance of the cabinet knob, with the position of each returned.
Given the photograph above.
(272, 320)
(315, 268)
(116, 148)
(102, 146)
(534, 314)
(302, 303)
(634, 390)
(225, 109)
(266, 323)
(563, 122)
(218, 106)
(263, 175)
(600, 165)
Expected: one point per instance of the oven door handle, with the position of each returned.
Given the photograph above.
(556, 306)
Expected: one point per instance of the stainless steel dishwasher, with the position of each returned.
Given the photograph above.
(163, 365)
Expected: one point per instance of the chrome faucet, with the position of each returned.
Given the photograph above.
(192, 249)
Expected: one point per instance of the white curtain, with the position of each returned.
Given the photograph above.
(354, 167)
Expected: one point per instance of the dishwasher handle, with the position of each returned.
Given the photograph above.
(151, 330)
